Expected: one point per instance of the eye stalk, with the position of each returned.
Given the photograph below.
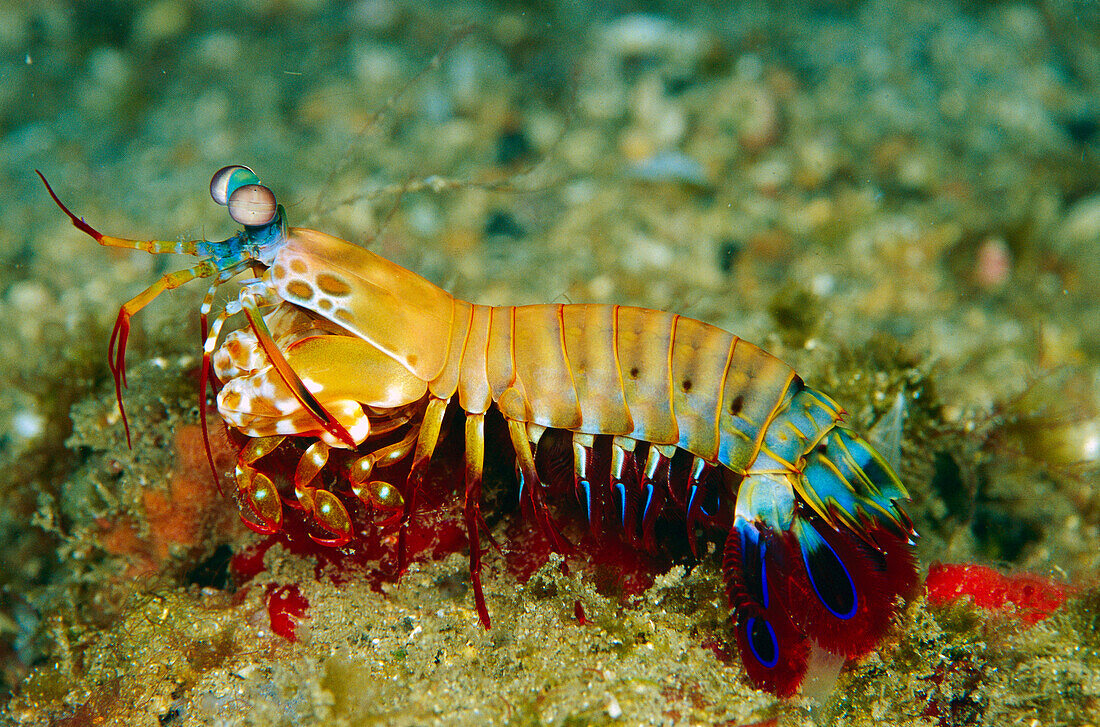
(227, 179)
(252, 205)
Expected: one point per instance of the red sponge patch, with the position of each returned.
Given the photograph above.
(1026, 597)
(286, 606)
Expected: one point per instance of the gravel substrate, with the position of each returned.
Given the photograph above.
(895, 198)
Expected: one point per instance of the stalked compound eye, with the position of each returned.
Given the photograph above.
(252, 205)
(227, 179)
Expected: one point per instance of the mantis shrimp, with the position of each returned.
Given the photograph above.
(343, 346)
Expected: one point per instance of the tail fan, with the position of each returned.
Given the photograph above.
(842, 591)
(817, 558)
(772, 649)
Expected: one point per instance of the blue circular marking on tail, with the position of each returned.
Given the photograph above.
(762, 641)
(833, 568)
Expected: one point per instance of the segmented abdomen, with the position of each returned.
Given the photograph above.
(819, 546)
(647, 375)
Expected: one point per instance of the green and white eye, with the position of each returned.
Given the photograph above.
(228, 179)
(252, 205)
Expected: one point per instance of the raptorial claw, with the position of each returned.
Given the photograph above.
(258, 500)
(379, 496)
(313, 460)
(360, 471)
(325, 510)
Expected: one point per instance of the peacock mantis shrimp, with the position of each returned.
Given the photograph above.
(343, 346)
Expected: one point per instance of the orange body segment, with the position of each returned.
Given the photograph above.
(445, 384)
(498, 351)
(541, 366)
(700, 362)
(643, 346)
(590, 345)
(754, 388)
(474, 392)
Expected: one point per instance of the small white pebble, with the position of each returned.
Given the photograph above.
(601, 287)
(1090, 447)
(28, 424)
(424, 219)
(638, 34)
(245, 671)
(822, 285)
(109, 69)
(374, 14)
(614, 711)
(160, 21)
(219, 49)
(28, 297)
